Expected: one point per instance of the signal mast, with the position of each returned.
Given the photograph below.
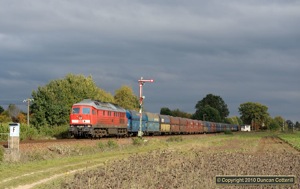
(142, 82)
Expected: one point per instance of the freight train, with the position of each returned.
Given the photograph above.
(94, 119)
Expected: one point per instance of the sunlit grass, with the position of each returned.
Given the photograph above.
(291, 138)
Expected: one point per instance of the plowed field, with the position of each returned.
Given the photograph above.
(196, 166)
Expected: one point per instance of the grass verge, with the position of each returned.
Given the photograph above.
(292, 138)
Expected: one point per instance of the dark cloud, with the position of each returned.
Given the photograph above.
(240, 50)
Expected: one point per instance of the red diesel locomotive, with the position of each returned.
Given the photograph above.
(97, 119)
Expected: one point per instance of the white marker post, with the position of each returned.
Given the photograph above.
(14, 136)
(142, 82)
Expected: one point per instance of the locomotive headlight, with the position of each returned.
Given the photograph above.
(86, 121)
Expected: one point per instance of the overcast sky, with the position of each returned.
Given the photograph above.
(243, 51)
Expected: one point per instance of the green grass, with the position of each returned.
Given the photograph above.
(291, 138)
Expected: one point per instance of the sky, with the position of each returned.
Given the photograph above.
(242, 51)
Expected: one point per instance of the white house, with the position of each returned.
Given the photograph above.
(245, 128)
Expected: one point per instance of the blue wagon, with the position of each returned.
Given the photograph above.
(134, 122)
(207, 127)
(219, 127)
(152, 126)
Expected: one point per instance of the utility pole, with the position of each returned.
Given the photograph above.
(142, 82)
(28, 100)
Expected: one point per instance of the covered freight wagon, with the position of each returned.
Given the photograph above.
(195, 127)
(174, 122)
(183, 125)
(152, 123)
(134, 122)
(165, 127)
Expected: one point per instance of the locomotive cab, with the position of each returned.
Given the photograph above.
(83, 115)
(82, 119)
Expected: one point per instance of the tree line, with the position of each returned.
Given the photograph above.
(52, 104)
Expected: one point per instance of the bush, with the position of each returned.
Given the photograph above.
(137, 141)
(101, 145)
(274, 126)
(55, 131)
(28, 132)
(4, 129)
(112, 144)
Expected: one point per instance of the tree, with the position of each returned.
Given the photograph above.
(212, 107)
(4, 117)
(208, 113)
(297, 125)
(22, 118)
(13, 112)
(179, 113)
(280, 121)
(290, 124)
(234, 120)
(175, 113)
(126, 98)
(1, 109)
(274, 125)
(52, 102)
(165, 111)
(254, 113)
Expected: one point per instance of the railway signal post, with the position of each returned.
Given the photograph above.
(142, 82)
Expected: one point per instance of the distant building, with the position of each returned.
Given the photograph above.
(246, 128)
